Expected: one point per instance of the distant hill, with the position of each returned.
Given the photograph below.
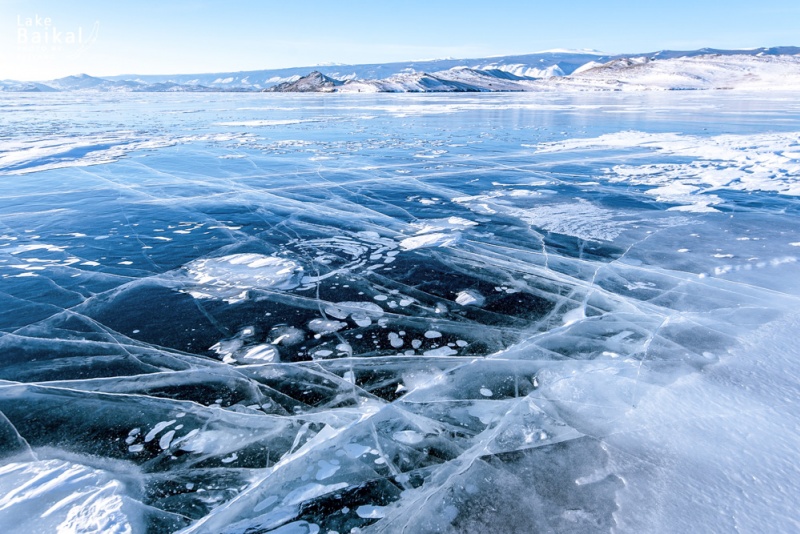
(315, 82)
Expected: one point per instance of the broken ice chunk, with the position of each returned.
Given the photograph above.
(470, 297)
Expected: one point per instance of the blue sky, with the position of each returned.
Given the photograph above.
(185, 36)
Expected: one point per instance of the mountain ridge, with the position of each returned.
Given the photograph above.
(500, 73)
(569, 60)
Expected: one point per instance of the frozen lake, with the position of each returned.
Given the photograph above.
(436, 313)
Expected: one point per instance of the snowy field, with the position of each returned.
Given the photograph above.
(302, 314)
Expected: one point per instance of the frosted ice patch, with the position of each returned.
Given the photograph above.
(287, 336)
(266, 503)
(166, 439)
(63, 497)
(325, 326)
(327, 469)
(371, 512)
(409, 437)
(157, 429)
(229, 277)
(761, 162)
(362, 319)
(355, 450)
(214, 442)
(311, 491)
(580, 219)
(395, 340)
(437, 225)
(574, 315)
(430, 240)
(259, 354)
(441, 351)
(362, 313)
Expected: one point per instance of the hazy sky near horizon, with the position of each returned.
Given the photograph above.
(103, 38)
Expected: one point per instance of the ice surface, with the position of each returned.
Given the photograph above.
(574, 314)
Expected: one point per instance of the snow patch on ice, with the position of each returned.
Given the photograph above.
(761, 162)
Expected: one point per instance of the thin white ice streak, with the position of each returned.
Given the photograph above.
(21, 157)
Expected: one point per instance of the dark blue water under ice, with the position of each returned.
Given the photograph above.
(304, 313)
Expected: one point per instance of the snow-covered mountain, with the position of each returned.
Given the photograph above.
(540, 64)
(23, 87)
(544, 71)
(537, 65)
(624, 74)
(457, 79)
(316, 82)
(84, 82)
(685, 73)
